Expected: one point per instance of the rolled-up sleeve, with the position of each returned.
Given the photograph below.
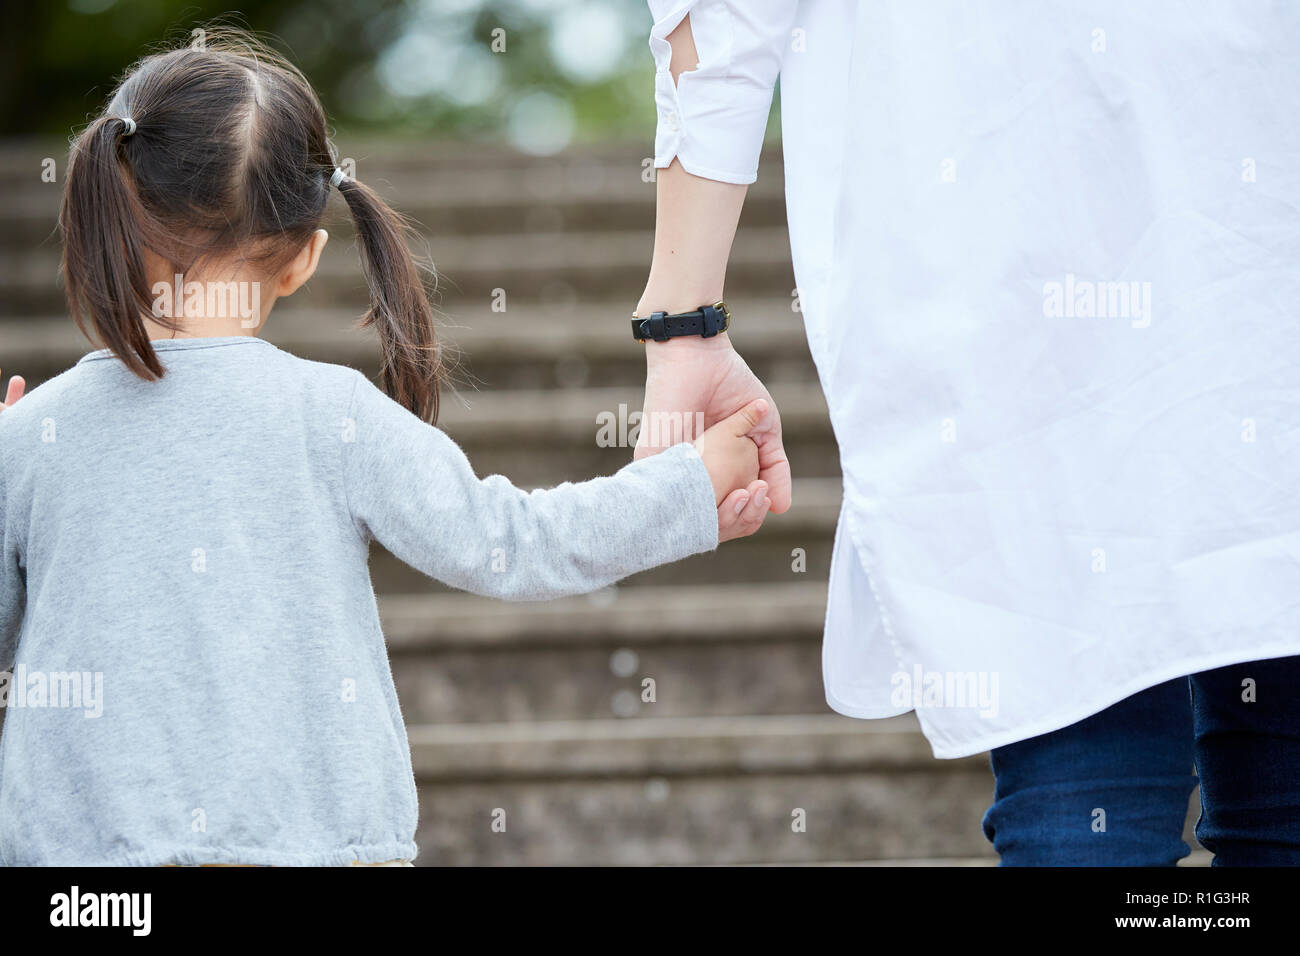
(713, 119)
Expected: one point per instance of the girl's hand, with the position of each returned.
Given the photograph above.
(729, 452)
(742, 512)
(15, 391)
(731, 456)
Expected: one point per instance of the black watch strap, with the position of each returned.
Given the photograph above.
(707, 320)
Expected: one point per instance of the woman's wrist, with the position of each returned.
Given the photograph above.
(685, 345)
(673, 301)
(677, 346)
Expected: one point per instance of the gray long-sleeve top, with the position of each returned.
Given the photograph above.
(199, 672)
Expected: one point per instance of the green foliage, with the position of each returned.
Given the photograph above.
(423, 67)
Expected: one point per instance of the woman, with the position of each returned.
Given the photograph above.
(1047, 258)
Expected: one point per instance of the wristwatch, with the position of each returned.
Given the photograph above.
(707, 320)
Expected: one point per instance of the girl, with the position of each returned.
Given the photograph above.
(199, 675)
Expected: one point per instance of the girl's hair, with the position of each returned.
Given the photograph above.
(230, 155)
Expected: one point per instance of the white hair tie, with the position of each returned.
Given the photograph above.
(337, 178)
(130, 125)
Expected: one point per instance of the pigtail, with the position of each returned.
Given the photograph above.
(103, 264)
(399, 303)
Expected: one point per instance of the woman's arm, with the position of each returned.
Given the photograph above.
(695, 219)
(712, 112)
(695, 223)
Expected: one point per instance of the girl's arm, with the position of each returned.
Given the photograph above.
(412, 489)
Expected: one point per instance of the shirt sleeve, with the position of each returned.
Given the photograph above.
(713, 119)
(412, 489)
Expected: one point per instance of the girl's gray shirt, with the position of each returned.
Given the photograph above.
(199, 674)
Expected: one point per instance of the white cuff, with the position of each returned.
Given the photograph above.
(714, 118)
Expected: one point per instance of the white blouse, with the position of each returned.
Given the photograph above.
(1048, 258)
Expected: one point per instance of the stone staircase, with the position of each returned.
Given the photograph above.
(532, 714)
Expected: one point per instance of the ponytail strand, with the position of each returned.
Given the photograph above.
(101, 221)
(399, 304)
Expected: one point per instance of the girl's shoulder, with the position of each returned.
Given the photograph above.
(100, 387)
(38, 403)
(336, 385)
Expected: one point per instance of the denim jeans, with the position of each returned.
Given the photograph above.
(1112, 790)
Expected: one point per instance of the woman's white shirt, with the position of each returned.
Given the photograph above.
(1048, 259)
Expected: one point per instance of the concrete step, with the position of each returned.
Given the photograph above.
(445, 203)
(720, 790)
(446, 190)
(422, 623)
(485, 170)
(551, 266)
(531, 346)
(704, 649)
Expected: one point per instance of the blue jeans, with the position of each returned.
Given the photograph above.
(1112, 790)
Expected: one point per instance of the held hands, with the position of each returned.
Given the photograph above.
(708, 376)
(14, 392)
(731, 457)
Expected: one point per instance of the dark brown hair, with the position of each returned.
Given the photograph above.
(230, 155)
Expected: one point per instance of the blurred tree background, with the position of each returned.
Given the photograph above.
(563, 70)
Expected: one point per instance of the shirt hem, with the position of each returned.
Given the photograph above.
(1096, 704)
(863, 713)
(263, 856)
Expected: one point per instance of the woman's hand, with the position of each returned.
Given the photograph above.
(14, 392)
(689, 375)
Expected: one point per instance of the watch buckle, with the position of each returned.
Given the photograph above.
(721, 306)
